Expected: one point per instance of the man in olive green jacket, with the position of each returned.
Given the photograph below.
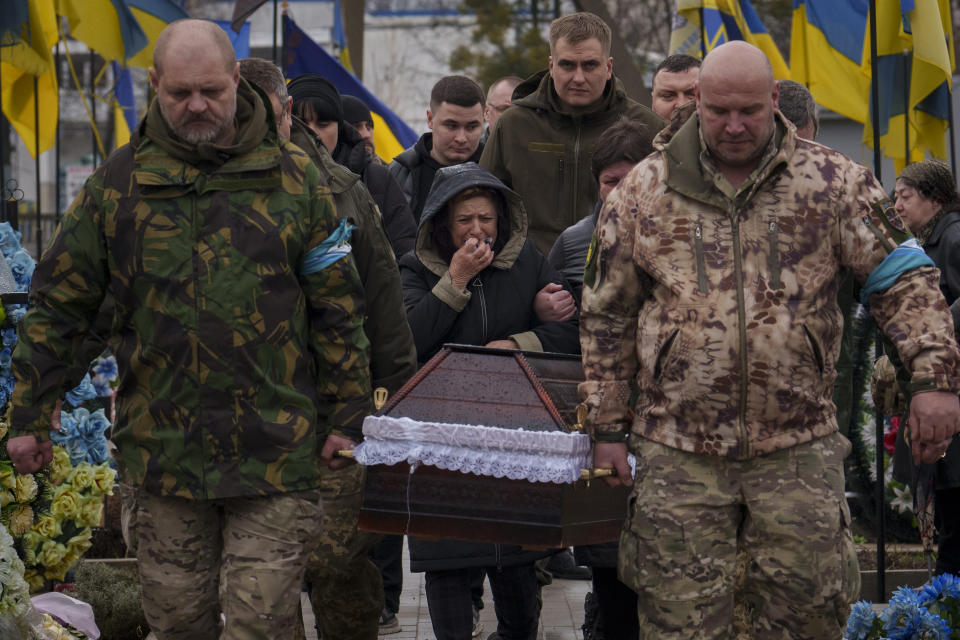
(541, 148)
(238, 334)
(346, 589)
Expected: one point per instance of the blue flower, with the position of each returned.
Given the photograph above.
(83, 391)
(5, 357)
(22, 266)
(860, 621)
(102, 387)
(942, 586)
(931, 627)
(106, 368)
(902, 617)
(9, 338)
(69, 425)
(9, 239)
(93, 427)
(97, 452)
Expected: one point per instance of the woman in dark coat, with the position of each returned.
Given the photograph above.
(928, 202)
(474, 278)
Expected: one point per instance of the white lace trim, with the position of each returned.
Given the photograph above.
(537, 456)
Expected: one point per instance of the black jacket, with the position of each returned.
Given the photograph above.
(499, 301)
(569, 253)
(398, 222)
(414, 170)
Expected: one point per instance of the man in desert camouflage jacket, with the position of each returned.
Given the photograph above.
(710, 332)
(238, 336)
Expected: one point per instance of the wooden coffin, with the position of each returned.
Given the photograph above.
(501, 388)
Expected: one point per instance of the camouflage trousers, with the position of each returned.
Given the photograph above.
(242, 557)
(690, 514)
(346, 590)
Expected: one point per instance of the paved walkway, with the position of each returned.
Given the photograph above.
(560, 619)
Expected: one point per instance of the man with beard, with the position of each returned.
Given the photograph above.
(238, 336)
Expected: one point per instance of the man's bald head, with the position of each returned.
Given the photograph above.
(739, 59)
(191, 34)
(736, 99)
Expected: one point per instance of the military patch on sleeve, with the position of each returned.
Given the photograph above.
(891, 221)
(593, 270)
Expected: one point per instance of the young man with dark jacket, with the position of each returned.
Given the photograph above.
(455, 118)
(541, 146)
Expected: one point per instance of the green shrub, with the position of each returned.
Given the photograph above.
(114, 593)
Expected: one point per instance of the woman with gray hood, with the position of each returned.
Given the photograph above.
(475, 278)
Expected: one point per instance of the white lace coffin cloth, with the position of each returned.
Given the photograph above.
(537, 456)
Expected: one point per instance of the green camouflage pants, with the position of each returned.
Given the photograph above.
(689, 515)
(244, 557)
(346, 589)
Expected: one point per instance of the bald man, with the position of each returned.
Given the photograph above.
(237, 331)
(709, 302)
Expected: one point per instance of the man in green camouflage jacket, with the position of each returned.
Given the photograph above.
(237, 332)
(710, 306)
(346, 589)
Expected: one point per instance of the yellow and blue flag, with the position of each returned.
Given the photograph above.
(826, 53)
(25, 59)
(701, 25)
(153, 16)
(124, 105)
(914, 62)
(340, 38)
(106, 26)
(391, 135)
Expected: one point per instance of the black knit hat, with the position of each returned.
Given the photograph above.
(932, 179)
(354, 110)
(317, 92)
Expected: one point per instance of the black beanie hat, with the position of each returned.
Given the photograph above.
(319, 93)
(354, 110)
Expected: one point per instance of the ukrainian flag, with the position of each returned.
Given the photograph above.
(302, 55)
(701, 25)
(827, 51)
(915, 62)
(153, 16)
(124, 106)
(29, 57)
(106, 26)
(340, 38)
(830, 53)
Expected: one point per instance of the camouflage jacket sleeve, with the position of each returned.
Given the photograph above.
(613, 292)
(68, 287)
(336, 308)
(912, 313)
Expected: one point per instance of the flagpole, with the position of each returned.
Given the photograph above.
(275, 3)
(878, 351)
(56, 59)
(953, 142)
(703, 31)
(906, 110)
(36, 159)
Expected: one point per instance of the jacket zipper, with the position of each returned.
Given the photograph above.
(742, 331)
(573, 217)
(478, 285)
(197, 224)
(701, 261)
(559, 193)
(773, 258)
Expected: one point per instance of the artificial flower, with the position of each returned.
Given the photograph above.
(48, 526)
(8, 478)
(91, 512)
(65, 503)
(6, 497)
(861, 621)
(26, 487)
(21, 519)
(60, 465)
(52, 553)
(103, 480)
(82, 476)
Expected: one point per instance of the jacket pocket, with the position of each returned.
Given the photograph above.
(816, 351)
(663, 355)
